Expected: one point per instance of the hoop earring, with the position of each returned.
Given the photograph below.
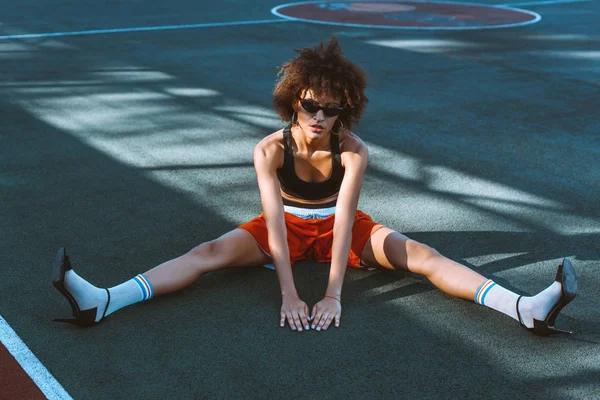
(295, 120)
(339, 130)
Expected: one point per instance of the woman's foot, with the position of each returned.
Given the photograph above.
(538, 313)
(88, 303)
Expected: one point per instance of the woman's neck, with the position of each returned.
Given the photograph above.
(308, 145)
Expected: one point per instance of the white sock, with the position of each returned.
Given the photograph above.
(127, 293)
(89, 296)
(500, 299)
(86, 295)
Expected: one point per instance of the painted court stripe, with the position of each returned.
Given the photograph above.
(536, 18)
(140, 29)
(236, 23)
(30, 364)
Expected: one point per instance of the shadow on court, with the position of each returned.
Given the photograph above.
(106, 152)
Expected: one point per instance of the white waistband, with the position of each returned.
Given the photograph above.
(309, 213)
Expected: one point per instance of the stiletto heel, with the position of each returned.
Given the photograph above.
(81, 317)
(566, 277)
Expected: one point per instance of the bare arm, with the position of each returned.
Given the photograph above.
(354, 158)
(268, 156)
(266, 163)
(355, 161)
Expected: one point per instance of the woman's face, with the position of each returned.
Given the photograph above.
(316, 124)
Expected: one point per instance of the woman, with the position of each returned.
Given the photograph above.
(310, 176)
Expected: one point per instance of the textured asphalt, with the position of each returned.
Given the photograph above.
(130, 149)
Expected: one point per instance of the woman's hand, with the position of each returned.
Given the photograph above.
(325, 311)
(295, 311)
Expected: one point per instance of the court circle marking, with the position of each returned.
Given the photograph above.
(403, 10)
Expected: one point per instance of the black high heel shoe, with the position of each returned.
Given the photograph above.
(566, 276)
(81, 317)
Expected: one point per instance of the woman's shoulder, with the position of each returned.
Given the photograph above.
(272, 141)
(349, 141)
(271, 147)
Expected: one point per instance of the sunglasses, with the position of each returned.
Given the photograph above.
(313, 108)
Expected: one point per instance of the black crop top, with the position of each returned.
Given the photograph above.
(294, 186)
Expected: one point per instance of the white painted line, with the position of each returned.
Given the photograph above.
(536, 18)
(29, 362)
(541, 3)
(140, 29)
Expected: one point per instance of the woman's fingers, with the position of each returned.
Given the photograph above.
(328, 321)
(297, 322)
(320, 319)
(323, 320)
(290, 319)
(316, 316)
(304, 317)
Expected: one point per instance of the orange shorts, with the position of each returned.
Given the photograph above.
(313, 238)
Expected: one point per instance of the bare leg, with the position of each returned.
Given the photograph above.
(389, 249)
(392, 250)
(91, 304)
(234, 249)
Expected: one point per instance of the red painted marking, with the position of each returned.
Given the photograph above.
(14, 382)
(408, 14)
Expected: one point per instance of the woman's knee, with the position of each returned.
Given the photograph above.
(206, 251)
(421, 257)
(234, 249)
(224, 252)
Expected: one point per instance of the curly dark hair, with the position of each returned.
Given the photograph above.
(325, 71)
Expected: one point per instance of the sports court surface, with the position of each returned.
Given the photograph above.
(126, 135)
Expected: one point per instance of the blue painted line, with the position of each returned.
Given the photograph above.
(541, 3)
(140, 29)
(285, 18)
